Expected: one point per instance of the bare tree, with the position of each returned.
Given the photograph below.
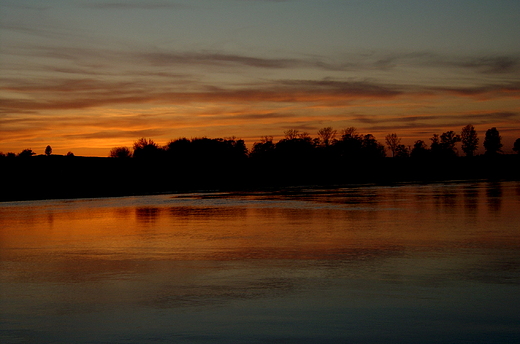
(326, 136)
(291, 134)
(350, 132)
(266, 139)
(392, 141)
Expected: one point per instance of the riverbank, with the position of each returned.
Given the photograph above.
(51, 177)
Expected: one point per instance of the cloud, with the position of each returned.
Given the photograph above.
(213, 58)
(86, 93)
(154, 58)
(505, 90)
(493, 64)
(347, 88)
(122, 134)
(436, 123)
(134, 5)
(243, 114)
(255, 116)
(80, 93)
(498, 64)
(485, 64)
(265, 0)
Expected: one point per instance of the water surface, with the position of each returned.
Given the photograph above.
(432, 263)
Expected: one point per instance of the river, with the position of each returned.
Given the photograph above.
(434, 263)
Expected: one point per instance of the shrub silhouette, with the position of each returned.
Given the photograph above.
(26, 153)
(146, 149)
(118, 152)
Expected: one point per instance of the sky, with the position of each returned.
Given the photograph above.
(89, 75)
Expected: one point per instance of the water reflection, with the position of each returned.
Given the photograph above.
(471, 199)
(269, 267)
(494, 196)
(146, 215)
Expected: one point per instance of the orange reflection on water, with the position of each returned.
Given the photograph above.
(343, 224)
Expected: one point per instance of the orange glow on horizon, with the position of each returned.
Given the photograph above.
(94, 131)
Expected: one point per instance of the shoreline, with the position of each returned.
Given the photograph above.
(57, 177)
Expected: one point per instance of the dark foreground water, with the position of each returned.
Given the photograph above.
(408, 264)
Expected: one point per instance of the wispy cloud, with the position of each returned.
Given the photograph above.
(134, 5)
(503, 65)
(435, 123)
(505, 90)
(214, 58)
(86, 93)
(485, 64)
(476, 118)
(63, 94)
(117, 134)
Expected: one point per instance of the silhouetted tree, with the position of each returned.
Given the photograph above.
(26, 153)
(392, 141)
(435, 146)
(349, 132)
(305, 136)
(118, 152)
(326, 136)
(264, 149)
(469, 140)
(420, 150)
(492, 142)
(296, 148)
(205, 151)
(350, 144)
(448, 141)
(234, 150)
(48, 150)
(291, 134)
(516, 146)
(401, 151)
(371, 148)
(146, 148)
(69, 154)
(179, 150)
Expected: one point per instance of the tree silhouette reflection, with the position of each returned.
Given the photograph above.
(471, 198)
(494, 196)
(147, 215)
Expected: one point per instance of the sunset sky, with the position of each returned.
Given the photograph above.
(88, 75)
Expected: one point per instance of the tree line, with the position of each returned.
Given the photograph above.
(330, 158)
(347, 143)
